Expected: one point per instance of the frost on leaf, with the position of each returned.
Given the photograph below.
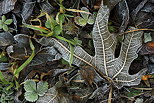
(53, 96)
(105, 43)
(104, 61)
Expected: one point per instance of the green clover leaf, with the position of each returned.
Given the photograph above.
(8, 21)
(33, 90)
(85, 18)
(4, 23)
(5, 27)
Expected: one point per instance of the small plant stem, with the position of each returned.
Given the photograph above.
(16, 74)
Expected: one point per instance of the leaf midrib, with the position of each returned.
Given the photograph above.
(104, 55)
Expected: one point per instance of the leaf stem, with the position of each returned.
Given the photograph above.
(16, 74)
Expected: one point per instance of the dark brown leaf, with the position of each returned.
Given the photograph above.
(88, 74)
(148, 48)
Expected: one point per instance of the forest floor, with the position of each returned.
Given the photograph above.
(76, 51)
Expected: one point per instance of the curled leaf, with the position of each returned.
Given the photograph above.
(84, 15)
(46, 6)
(6, 39)
(45, 55)
(27, 9)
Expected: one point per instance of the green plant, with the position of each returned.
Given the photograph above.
(4, 23)
(54, 28)
(133, 92)
(111, 28)
(6, 96)
(3, 57)
(18, 70)
(85, 18)
(34, 90)
(8, 83)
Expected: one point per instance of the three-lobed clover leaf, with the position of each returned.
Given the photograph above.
(85, 18)
(4, 23)
(33, 90)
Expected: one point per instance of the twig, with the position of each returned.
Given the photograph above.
(136, 30)
(143, 88)
(110, 96)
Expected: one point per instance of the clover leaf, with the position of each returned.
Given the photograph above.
(4, 23)
(84, 18)
(34, 90)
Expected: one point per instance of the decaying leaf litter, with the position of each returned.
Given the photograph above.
(79, 51)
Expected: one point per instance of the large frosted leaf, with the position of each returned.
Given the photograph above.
(104, 43)
(104, 61)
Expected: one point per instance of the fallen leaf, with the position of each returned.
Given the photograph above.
(27, 9)
(104, 62)
(6, 39)
(7, 6)
(54, 96)
(46, 54)
(88, 74)
(121, 12)
(46, 6)
(147, 48)
(4, 66)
